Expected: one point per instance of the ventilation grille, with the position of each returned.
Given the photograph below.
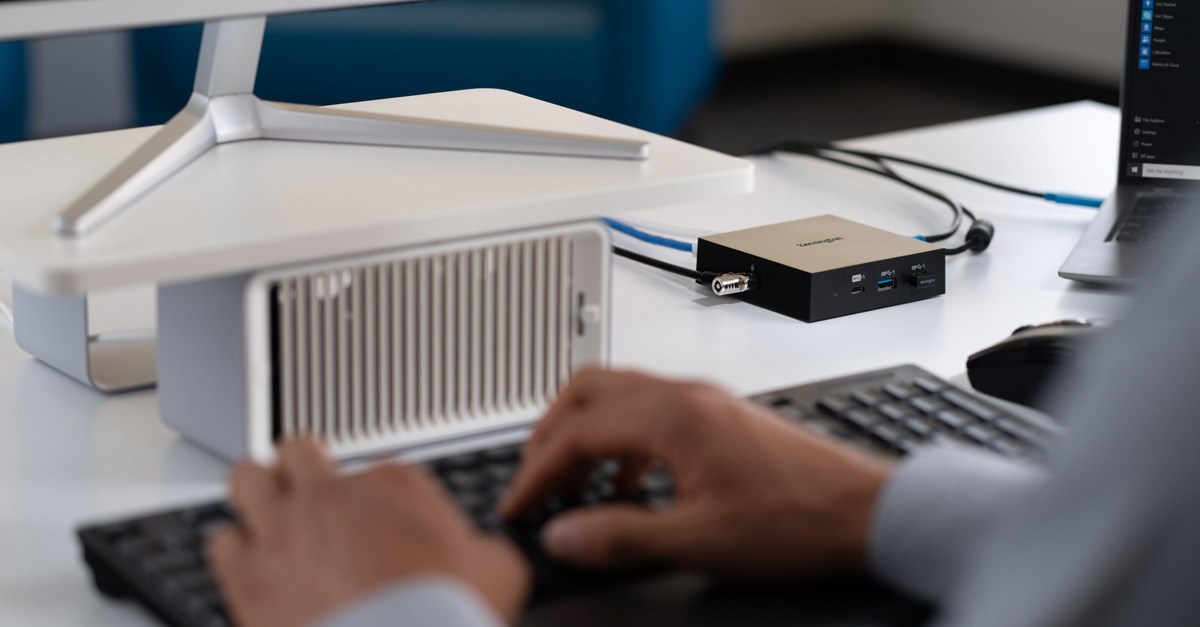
(422, 343)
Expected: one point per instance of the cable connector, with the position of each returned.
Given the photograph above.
(979, 236)
(729, 283)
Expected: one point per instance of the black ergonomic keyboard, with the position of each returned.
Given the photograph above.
(158, 559)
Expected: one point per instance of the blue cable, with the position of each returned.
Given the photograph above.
(649, 238)
(1072, 199)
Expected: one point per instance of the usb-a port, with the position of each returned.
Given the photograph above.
(884, 285)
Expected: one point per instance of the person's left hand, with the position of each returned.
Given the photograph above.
(311, 541)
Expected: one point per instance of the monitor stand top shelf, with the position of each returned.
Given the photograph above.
(250, 205)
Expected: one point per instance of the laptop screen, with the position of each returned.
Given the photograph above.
(1161, 97)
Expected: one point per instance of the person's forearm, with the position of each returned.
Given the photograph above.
(934, 512)
(424, 602)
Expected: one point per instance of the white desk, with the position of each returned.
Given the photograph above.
(68, 454)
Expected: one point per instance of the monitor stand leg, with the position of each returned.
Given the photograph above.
(54, 329)
(223, 109)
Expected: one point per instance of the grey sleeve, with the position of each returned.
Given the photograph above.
(936, 510)
(424, 602)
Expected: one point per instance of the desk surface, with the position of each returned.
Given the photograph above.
(68, 454)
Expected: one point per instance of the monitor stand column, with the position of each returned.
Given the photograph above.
(54, 329)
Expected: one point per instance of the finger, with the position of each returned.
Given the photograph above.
(406, 477)
(535, 482)
(227, 551)
(223, 549)
(255, 493)
(304, 464)
(628, 427)
(414, 487)
(588, 383)
(620, 536)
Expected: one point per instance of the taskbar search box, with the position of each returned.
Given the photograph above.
(1167, 171)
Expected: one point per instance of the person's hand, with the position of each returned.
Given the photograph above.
(757, 497)
(311, 541)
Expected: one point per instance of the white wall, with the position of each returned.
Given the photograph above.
(1079, 37)
(752, 26)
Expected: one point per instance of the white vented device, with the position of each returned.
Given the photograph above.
(386, 352)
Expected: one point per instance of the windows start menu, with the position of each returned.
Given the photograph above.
(1162, 97)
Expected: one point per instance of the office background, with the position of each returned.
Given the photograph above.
(728, 74)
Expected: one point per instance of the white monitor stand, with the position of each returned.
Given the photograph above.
(223, 109)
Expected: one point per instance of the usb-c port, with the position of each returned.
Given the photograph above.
(857, 290)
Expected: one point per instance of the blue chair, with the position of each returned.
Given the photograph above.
(646, 63)
(12, 91)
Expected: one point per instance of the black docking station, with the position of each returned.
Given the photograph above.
(826, 267)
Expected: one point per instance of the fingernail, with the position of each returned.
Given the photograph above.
(561, 538)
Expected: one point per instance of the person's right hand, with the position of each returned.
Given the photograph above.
(757, 497)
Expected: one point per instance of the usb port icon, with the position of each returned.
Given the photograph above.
(884, 285)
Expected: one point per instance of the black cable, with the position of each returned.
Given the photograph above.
(792, 146)
(721, 283)
(979, 233)
(661, 265)
(956, 209)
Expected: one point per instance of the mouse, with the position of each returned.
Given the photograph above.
(1023, 367)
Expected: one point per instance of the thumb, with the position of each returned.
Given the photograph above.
(617, 536)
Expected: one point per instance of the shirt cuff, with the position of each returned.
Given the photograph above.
(421, 602)
(935, 511)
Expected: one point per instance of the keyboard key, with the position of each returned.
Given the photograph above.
(502, 455)
(500, 473)
(862, 418)
(135, 549)
(834, 406)
(980, 434)
(931, 386)
(920, 428)
(962, 401)
(887, 434)
(1016, 429)
(173, 561)
(778, 401)
(868, 398)
(468, 460)
(901, 391)
(953, 418)
(896, 412)
(466, 480)
(795, 412)
(927, 404)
